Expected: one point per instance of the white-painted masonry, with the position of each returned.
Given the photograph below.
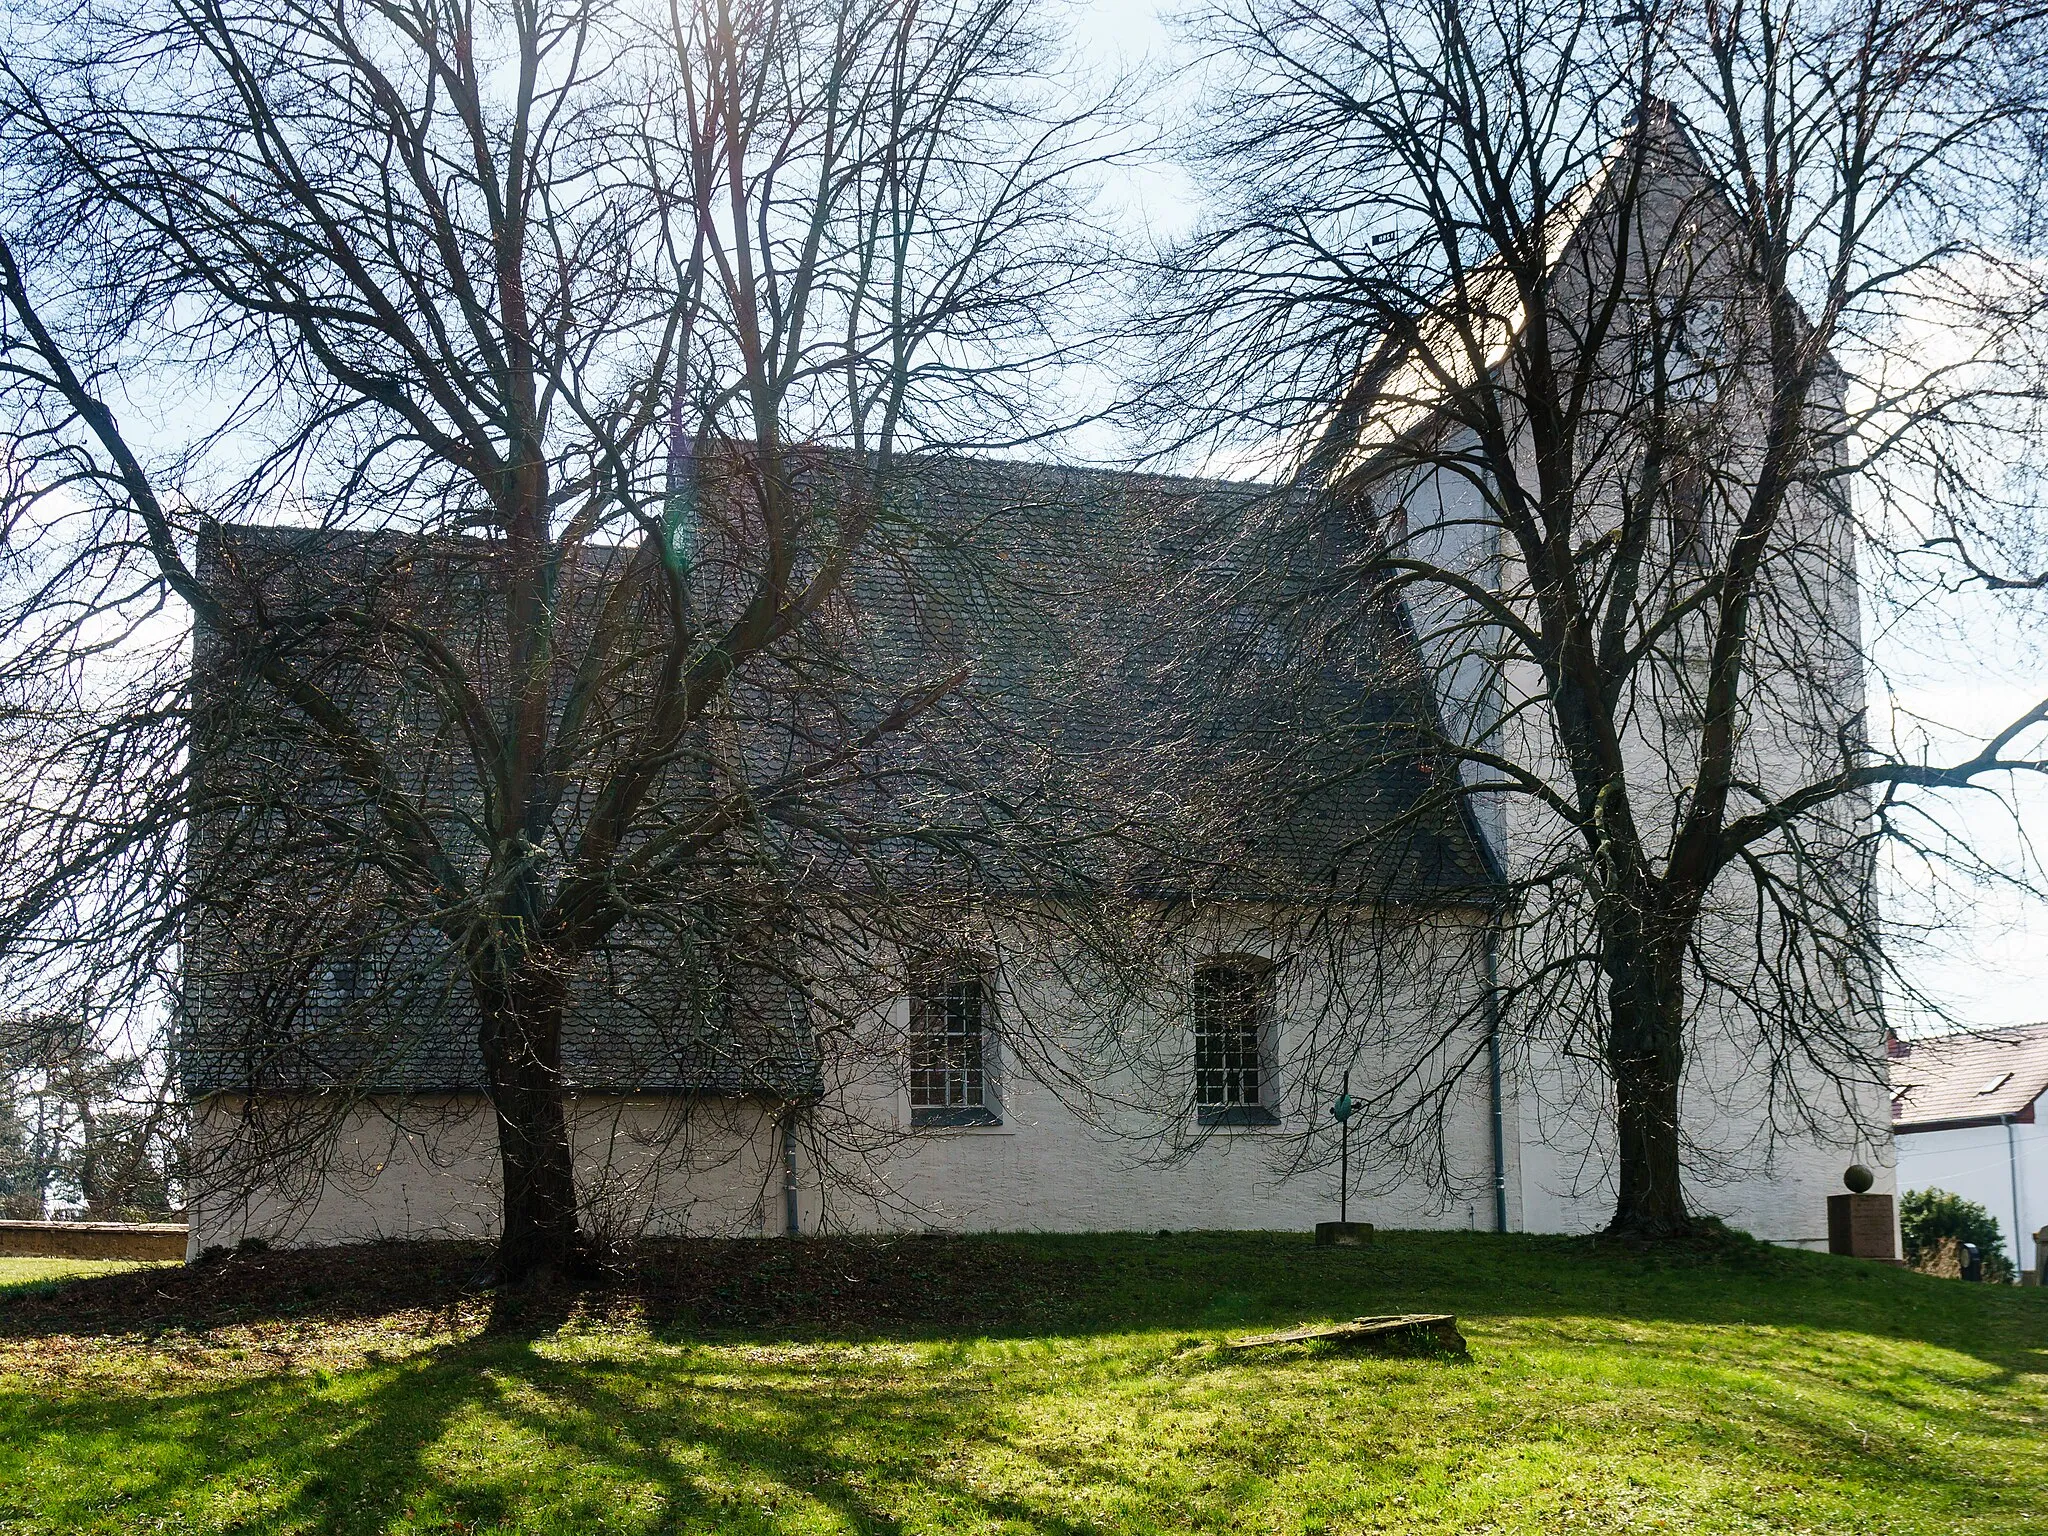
(428, 1167)
(2003, 1167)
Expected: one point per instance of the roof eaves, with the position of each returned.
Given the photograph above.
(2025, 1115)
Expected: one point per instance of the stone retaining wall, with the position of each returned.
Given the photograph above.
(92, 1240)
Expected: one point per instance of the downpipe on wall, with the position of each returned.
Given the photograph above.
(789, 1218)
(2012, 1168)
(1494, 1108)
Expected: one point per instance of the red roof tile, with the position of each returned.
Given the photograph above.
(1955, 1079)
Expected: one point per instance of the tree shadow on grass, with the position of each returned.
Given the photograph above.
(1785, 1387)
(544, 1421)
(775, 1290)
(837, 1438)
(302, 1455)
(492, 1433)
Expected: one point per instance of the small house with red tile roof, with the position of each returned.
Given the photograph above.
(1968, 1117)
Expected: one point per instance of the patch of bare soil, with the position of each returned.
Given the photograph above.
(355, 1283)
(682, 1286)
(939, 1284)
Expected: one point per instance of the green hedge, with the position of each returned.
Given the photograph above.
(1926, 1216)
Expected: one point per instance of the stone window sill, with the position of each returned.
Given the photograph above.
(1237, 1117)
(964, 1118)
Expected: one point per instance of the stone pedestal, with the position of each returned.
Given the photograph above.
(1343, 1234)
(1861, 1226)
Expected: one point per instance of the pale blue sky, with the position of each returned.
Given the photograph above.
(1130, 28)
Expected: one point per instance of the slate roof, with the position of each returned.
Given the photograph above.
(1968, 1079)
(1159, 651)
(1135, 636)
(399, 1020)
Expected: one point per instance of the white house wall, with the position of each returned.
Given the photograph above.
(1766, 1168)
(1979, 1163)
(1047, 1169)
(1744, 1164)
(1774, 1187)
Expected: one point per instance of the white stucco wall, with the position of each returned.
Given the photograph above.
(1113, 1147)
(428, 1167)
(1982, 1163)
(1059, 1161)
(1763, 1163)
(1763, 1168)
(1045, 1168)
(1048, 1168)
(1773, 1186)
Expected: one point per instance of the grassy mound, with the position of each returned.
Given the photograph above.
(1051, 1385)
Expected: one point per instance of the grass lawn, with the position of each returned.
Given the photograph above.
(17, 1273)
(1054, 1385)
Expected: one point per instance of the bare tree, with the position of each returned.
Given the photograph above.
(1589, 323)
(535, 317)
(106, 1118)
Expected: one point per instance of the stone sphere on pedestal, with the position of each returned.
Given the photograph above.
(1861, 1224)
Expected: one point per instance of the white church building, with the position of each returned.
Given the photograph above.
(997, 1087)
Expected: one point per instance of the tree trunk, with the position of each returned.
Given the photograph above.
(1646, 1056)
(89, 1186)
(522, 1048)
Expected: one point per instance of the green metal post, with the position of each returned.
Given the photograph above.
(1344, 1137)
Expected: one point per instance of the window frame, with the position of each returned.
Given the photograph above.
(929, 978)
(1258, 974)
(1689, 500)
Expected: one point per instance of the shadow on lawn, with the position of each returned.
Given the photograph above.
(506, 1430)
(1023, 1286)
(825, 1285)
(698, 1446)
(519, 1424)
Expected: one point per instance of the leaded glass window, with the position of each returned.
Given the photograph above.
(949, 1077)
(1233, 1014)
